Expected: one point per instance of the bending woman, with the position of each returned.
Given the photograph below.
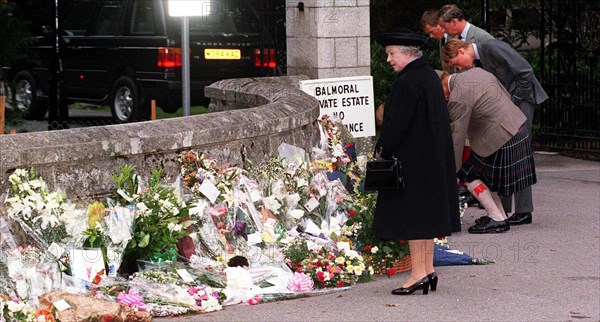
(501, 162)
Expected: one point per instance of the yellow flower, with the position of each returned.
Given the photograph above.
(95, 213)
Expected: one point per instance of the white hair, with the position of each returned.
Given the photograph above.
(410, 51)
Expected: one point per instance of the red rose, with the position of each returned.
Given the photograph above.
(339, 284)
(352, 212)
(441, 237)
(320, 277)
(390, 271)
(367, 248)
(402, 241)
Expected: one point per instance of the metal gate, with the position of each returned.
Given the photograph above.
(570, 119)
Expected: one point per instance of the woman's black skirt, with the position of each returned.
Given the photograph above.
(506, 171)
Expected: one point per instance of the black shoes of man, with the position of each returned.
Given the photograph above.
(485, 224)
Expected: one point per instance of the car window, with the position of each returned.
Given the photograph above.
(142, 18)
(108, 18)
(229, 16)
(76, 23)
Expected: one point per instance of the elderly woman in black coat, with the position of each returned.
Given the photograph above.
(416, 130)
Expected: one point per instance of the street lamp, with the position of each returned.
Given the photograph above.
(185, 9)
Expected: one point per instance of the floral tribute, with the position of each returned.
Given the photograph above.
(334, 269)
(47, 214)
(301, 225)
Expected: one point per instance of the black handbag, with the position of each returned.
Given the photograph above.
(384, 175)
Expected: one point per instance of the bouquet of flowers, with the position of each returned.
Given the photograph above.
(47, 215)
(339, 144)
(32, 271)
(334, 269)
(327, 265)
(207, 298)
(161, 221)
(196, 169)
(15, 310)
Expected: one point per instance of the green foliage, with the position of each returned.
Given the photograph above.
(296, 252)
(161, 221)
(383, 74)
(127, 183)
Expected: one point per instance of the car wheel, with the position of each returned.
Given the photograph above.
(24, 97)
(126, 103)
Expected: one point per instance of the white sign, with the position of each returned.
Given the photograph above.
(349, 99)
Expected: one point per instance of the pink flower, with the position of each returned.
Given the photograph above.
(255, 300)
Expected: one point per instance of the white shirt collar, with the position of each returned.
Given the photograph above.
(463, 34)
(476, 51)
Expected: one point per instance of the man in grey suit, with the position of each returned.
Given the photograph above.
(451, 19)
(518, 78)
(429, 24)
(501, 162)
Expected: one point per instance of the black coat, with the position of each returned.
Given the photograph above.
(416, 129)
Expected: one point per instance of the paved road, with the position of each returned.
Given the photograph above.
(546, 271)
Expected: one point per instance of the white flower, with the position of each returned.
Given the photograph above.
(14, 306)
(350, 268)
(301, 182)
(141, 207)
(359, 269)
(374, 250)
(296, 213)
(211, 304)
(173, 227)
(198, 208)
(47, 218)
(352, 254)
(272, 204)
(340, 260)
(338, 150)
(292, 200)
(278, 188)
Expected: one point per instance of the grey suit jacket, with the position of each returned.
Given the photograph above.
(476, 34)
(513, 71)
(481, 109)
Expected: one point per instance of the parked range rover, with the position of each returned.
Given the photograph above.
(125, 53)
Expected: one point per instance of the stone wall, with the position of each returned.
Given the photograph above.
(328, 38)
(256, 116)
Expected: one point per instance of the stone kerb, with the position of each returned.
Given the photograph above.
(81, 160)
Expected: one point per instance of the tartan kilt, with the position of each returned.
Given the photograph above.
(506, 171)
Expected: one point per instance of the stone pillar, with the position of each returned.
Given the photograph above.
(328, 38)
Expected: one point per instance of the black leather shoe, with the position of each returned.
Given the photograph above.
(520, 218)
(421, 284)
(488, 225)
(433, 279)
(481, 219)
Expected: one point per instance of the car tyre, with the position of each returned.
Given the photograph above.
(126, 104)
(24, 97)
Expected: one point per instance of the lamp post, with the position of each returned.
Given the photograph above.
(186, 9)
